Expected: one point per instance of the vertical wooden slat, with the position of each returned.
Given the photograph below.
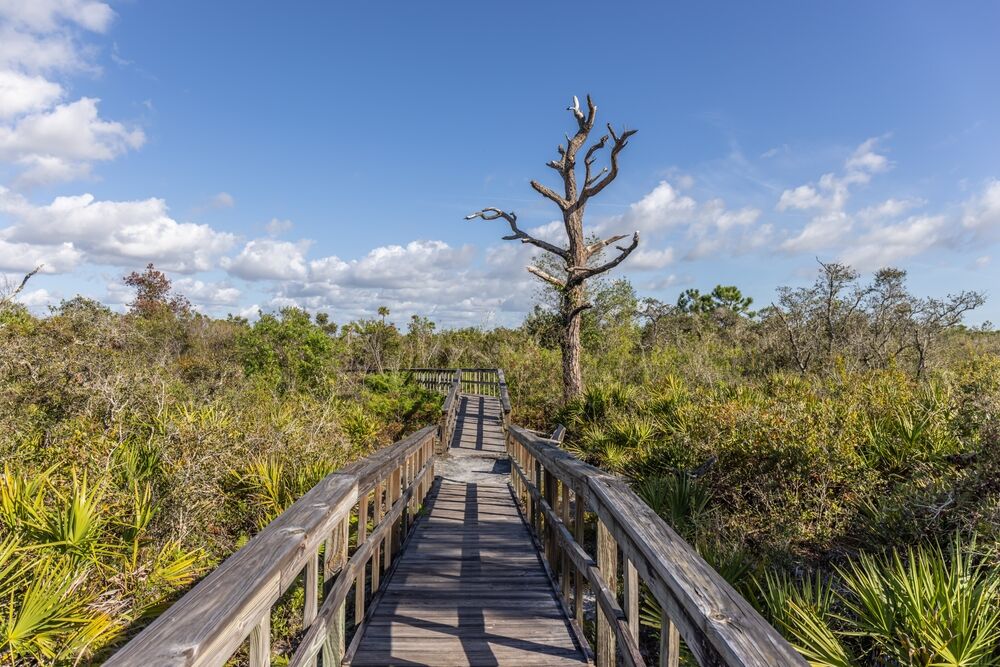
(359, 585)
(260, 642)
(565, 571)
(333, 646)
(607, 562)
(550, 531)
(395, 492)
(377, 552)
(578, 527)
(632, 599)
(312, 591)
(670, 642)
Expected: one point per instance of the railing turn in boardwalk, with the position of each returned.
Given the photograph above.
(565, 503)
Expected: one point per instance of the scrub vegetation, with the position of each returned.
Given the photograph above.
(835, 454)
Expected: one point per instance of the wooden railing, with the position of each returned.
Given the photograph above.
(633, 546)
(379, 494)
(455, 381)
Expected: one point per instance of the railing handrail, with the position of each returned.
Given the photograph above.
(209, 623)
(717, 623)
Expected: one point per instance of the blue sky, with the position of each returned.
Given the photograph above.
(324, 154)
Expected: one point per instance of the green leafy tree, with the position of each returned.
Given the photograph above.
(287, 350)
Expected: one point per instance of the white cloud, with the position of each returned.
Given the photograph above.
(222, 200)
(890, 208)
(885, 245)
(269, 259)
(982, 213)
(24, 93)
(207, 294)
(38, 299)
(646, 259)
(47, 15)
(278, 227)
(802, 197)
(65, 140)
(45, 138)
(119, 233)
(831, 224)
(24, 257)
(662, 208)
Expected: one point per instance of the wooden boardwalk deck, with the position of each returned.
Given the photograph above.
(469, 588)
(478, 427)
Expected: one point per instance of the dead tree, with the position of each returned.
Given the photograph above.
(579, 256)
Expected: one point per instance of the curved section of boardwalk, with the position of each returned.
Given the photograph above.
(469, 589)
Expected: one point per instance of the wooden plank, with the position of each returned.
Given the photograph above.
(359, 584)
(260, 643)
(632, 598)
(670, 643)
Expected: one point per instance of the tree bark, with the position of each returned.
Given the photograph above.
(572, 311)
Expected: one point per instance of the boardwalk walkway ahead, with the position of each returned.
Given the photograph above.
(419, 554)
(469, 588)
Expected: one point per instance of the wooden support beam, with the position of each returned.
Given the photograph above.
(607, 561)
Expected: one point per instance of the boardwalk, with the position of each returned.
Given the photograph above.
(479, 426)
(470, 589)
(468, 586)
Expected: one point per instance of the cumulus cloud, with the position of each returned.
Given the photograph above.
(46, 138)
(645, 259)
(887, 244)
(890, 208)
(119, 233)
(982, 214)
(831, 224)
(269, 259)
(207, 293)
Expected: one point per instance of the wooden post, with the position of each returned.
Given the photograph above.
(336, 558)
(359, 583)
(632, 599)
(260, 642)
(607, 562)
(578, 527)
(550, 530)
(670, 642)
(395, 491)
(312, 591)
(565, 570)
(377, 552)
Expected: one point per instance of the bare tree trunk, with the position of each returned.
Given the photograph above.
(579, 258)
(572, 310)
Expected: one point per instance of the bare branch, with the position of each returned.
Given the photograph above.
(576, 311)
(596, 247)
(492, 213)
(547, 277)
(589, 161)
(580, 273)
(620, 142)
(9, 298)
(550, 194)
(585, 122)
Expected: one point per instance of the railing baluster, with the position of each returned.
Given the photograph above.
(377, 553)
(565, 570)
(333, 646)
(359, 585)
(260, 642)
(632, 598)
(670, 642)
(578, 528)
(607, 562)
